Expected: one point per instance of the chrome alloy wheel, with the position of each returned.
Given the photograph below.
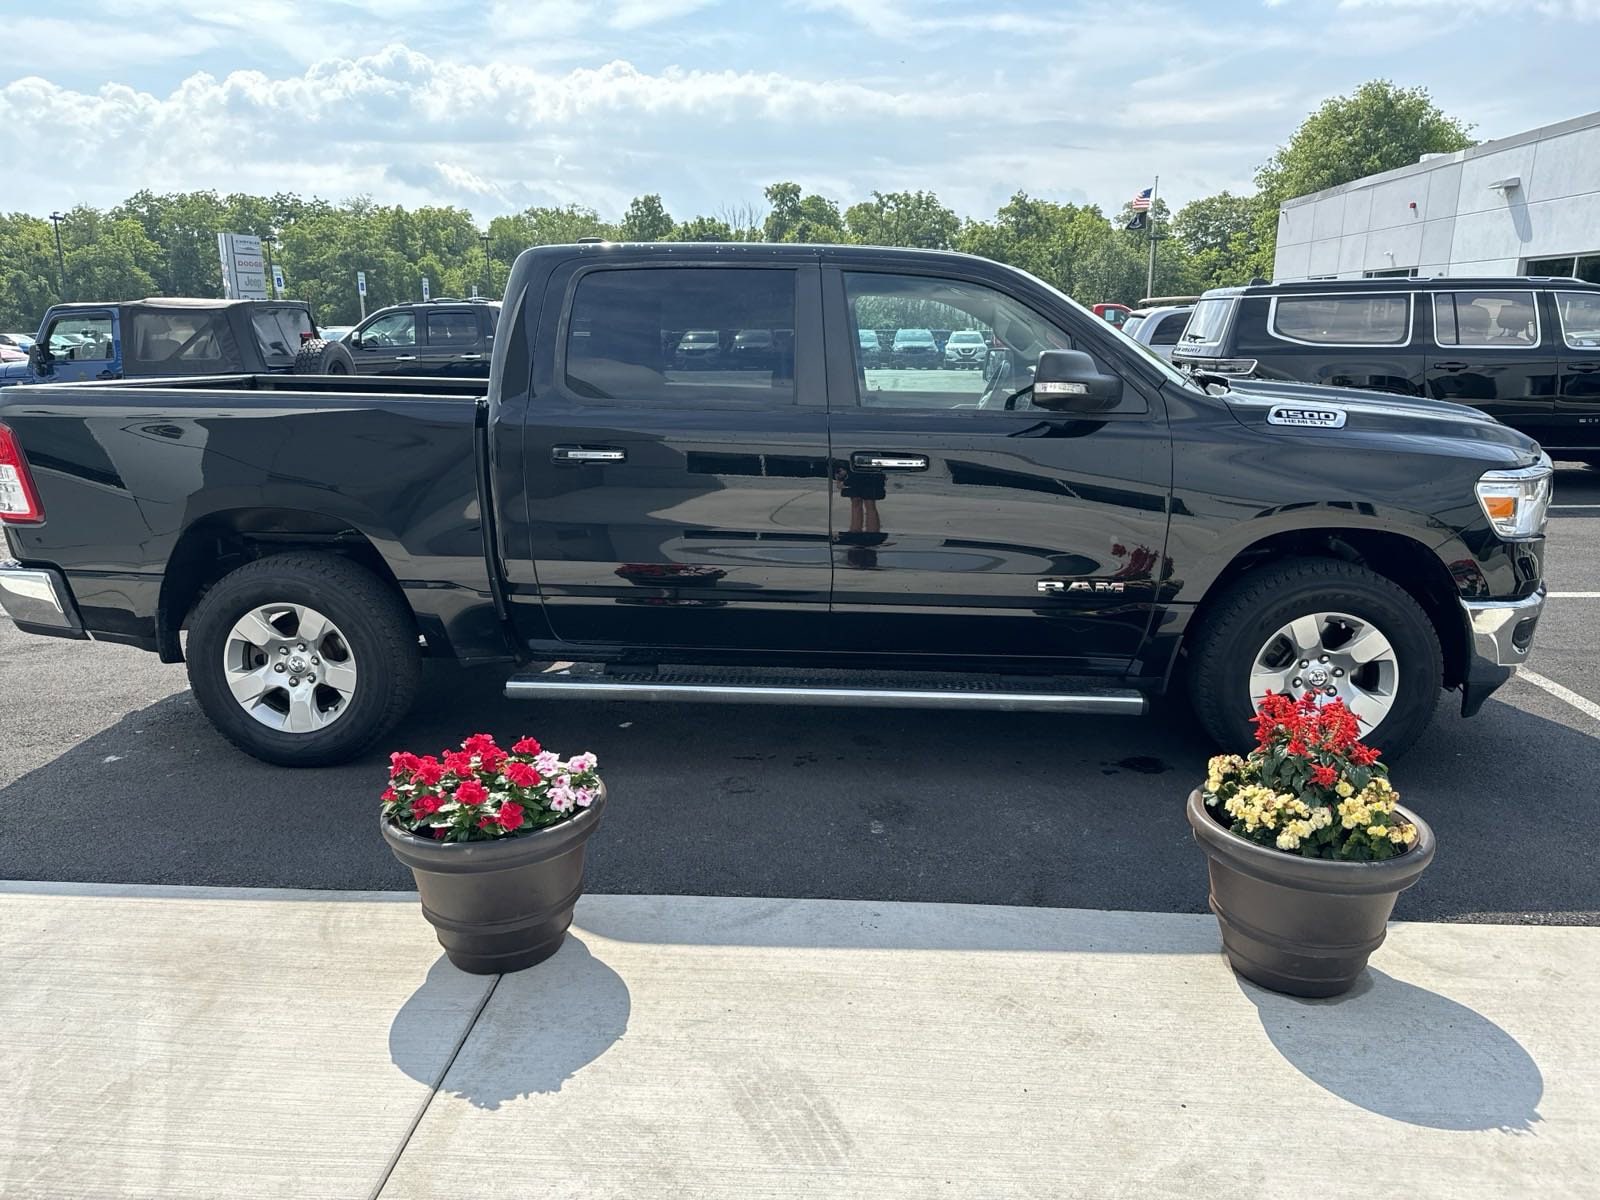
(1335, 655)
(290, 668)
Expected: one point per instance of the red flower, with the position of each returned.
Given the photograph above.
(471, 792)
(426, 806)
(523, 774)
(1326, 776)
(491, 758)
(389, 795)
(458, 762)
(479, 743)
(402, 762)
(510, 815)
(428, 771)
(1364, 755)
(527, 745)
(487, 820)
(439, 834)
(1297, 747)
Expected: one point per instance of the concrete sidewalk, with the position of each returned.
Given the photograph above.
(227, 1043)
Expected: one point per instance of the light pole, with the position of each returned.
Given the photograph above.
(488, 272)
(270, 242)
(61, 259)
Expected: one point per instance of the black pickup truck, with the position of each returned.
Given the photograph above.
(1073, 529)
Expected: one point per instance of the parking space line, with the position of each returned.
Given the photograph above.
(1574, 595)
(1554, 507)
(1587, 707)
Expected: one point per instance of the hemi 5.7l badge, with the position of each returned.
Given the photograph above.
(1315, 418)
(1056, 587)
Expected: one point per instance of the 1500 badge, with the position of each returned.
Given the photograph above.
(1315, 418)
(1056, 587)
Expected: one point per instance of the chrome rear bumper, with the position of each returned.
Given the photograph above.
(39, 601)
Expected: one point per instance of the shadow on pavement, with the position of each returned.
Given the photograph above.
(538, 1029)
(982, 808)
(1406, 1053)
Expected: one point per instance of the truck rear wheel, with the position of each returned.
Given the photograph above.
(302, 659)
(318, 357)
(1318, 625)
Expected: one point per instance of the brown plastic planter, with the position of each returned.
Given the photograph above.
(500, 905)
(1304, 926)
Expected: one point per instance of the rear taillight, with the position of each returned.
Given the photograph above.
(19, 499)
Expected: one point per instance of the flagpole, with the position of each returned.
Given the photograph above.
(1150, 270)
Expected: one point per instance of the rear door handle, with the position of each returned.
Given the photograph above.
(587, 454)
(878, 460)
(405, 358)
(469, 357)
(1449, 366)
(1583, 368)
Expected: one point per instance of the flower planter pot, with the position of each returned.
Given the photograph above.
(1302, 926)
(505, 904)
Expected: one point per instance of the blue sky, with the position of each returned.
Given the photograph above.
(495, 106)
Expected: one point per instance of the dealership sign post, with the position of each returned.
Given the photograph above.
(244, 273)
(277, 281)
(361, 292)
(424, 289)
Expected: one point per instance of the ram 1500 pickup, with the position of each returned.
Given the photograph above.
(1073, 529)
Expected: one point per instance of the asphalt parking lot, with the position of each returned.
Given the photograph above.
(108, 773)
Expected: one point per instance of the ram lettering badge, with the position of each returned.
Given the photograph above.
(1055, 587)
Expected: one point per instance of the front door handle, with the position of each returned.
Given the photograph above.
(878, 460)
(1583, 368)
(1450, 366)
(405, 358)
(587, 454)
(469, 357)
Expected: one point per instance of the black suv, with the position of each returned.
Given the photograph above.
(1525, 349)
(432, 337)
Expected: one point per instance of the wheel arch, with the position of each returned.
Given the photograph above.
(1410, 564)
(218, 542)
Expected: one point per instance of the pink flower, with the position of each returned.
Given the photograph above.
(524, 775)
(584, 762)
(561, 799)
(471, 792)
(547, 763)
(584, 796)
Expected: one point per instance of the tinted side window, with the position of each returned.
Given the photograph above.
(81, 338)
(1355, 320)
(1504, 320)
(1170, 330)
(193, 340)
(683, 334)
(279, 332)
(1580, 318)
(452, 329)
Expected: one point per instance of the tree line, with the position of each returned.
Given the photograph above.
(166, 244)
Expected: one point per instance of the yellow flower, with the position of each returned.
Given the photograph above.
(1288, 840)
(1345, 788)
(1377, 831)
(1397, 834)
(1411, 834)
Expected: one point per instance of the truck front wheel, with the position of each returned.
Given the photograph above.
(302, 659)
(1320, 625)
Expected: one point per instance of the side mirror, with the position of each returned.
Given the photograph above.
(353, 339)
(1068, 381)
(40, 359)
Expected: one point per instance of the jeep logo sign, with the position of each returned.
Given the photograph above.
(1316, 418)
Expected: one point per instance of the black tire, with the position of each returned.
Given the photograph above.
(318, 357)
(1238, 624)
(373, 619)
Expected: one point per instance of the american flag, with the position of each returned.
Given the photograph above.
(1141, 201)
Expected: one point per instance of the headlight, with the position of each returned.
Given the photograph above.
(1516, 501)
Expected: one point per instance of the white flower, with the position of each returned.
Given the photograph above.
(560, 799)
(584, 796)
(583, 762)
(548, 762)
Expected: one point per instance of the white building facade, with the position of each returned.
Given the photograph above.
(1522, 205)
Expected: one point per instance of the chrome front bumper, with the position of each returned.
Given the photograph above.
(1502, 630)
(38, 601)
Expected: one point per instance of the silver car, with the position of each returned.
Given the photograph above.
(966, 348)
(1158, 328)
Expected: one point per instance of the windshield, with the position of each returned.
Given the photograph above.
(700, 337)
(913, 337)
(1208, 321)
(967, 336)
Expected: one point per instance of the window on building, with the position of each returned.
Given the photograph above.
(1574, 266)
(678, 334)
(1580, 319)
(1359, 319)
(1391, 273)
(1505, 320)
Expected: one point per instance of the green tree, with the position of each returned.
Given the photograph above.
(29, 281)
(798, 218)
(107, 257)
(646, 220)
(1375, 128)
(704, 229)
(1218, 233)
(902, 219)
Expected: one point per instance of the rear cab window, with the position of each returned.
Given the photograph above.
(1355, 319)
(657, 335)
(281, 332)
(190, 341)
(1170, 330)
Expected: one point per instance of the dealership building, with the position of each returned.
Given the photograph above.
(1522, 205)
